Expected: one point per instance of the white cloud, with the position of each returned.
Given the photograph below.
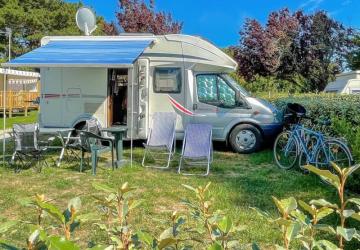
(346, 2)
(311, 5)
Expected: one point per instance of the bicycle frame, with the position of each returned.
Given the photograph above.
(300, 135)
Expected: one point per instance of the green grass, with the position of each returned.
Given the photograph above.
(239, 182)
(20, 118)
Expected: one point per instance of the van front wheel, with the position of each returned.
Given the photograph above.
(245, 138)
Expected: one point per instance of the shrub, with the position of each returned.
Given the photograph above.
(328, 107)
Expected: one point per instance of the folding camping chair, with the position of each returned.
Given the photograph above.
(197, 147)
(27, 147)
(93, 144)
(161, 137)
(72, 144)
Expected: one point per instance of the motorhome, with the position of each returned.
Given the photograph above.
(123, 80)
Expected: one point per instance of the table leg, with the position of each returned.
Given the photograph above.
(119, 149)
(63, 148)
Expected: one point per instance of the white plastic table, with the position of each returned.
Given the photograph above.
(58, 132)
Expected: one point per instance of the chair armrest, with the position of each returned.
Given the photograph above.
(98, 137)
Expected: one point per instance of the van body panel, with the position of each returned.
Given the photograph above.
(72, 95)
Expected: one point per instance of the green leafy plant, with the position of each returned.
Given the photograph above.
(338, 179)
(218, 229)
(115, 209)
(66, 221)
(302, 221)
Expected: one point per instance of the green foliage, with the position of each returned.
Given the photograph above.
(30, 20)
(299, 220)
(354, 55)
(323, 107)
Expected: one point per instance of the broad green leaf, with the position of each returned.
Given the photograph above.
(337, 168)
(6, 246)
(33, 238)
(167, 233)
(354, 200)
(350, 170)
(323, 203)
(292, 231)
(145, 238)
(326, 244)
(190, 188)
(75, 203)
(103, 187)
(323, 212)
(255, 246)
(58, 243)
(326, 174)
(52, 210)
(166, 243)
(346, 233)
(225, 224)
(301, 217)
(5, 226)
(285, 206)
(356, 216)
(348, 213)
(307, 208)
(215, 246)
(325, 228)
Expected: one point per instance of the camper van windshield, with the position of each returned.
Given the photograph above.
(235, 84)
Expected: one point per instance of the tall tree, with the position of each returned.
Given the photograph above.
(137, 16)
(293, 45)
(30, 20)
(354, 56)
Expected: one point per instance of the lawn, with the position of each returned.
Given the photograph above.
(239, 182)
(20, 118)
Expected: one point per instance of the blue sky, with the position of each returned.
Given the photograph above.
(220, 20)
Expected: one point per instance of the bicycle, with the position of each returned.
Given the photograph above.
(306, 146)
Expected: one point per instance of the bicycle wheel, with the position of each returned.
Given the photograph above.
(285, 150)
(333, 151)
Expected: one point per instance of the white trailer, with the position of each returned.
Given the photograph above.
(345, 83)
(90, 76)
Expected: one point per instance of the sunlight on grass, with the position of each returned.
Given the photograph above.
(239, 182)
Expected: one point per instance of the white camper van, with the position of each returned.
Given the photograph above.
(90, 76)
(345, 83)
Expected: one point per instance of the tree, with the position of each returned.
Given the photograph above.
(354, 56)
(293, 46)
(137, 16)
(30, 20)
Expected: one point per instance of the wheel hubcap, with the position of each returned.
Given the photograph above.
(245, 139)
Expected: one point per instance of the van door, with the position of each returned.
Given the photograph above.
(143, 98)
(51, 101)
(214, 103)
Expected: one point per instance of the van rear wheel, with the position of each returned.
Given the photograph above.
(245, 138)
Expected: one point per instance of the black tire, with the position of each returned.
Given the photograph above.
(248, 132)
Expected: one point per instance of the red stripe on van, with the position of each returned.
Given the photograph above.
(179, 107)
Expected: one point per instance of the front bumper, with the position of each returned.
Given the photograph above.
(270, 131)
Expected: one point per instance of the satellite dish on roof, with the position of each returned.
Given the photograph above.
(86, 20)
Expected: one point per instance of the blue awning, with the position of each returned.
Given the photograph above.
(83, 53)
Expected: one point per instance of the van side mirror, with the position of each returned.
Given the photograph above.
(240, 102)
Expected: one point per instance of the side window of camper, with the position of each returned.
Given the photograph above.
(213, 90)
(167, 80)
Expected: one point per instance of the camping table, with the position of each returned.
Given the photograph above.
(118, 132)
(58, 132)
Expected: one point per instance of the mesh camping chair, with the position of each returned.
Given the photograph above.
(161, 137)
(197, 147)
(27, 149)
(93, 144)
